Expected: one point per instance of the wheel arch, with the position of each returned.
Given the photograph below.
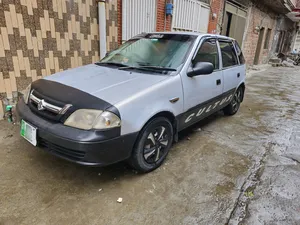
(167, 114)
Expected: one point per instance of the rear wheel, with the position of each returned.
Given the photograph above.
(153, 145)
(235, 103)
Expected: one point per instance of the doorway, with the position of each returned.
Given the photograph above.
(280, 42)
(259, 45)
(234, 22)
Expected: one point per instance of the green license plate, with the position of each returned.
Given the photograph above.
(28, 132)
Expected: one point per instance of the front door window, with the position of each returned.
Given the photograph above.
(208, 52)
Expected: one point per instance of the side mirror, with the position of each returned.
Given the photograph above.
(201, 68)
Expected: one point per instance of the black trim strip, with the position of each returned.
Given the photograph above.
(203, 110)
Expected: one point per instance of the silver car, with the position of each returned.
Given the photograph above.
(132, 104)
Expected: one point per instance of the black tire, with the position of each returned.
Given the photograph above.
(153, 145)
(235, 103)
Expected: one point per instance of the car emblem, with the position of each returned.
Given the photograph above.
(40, 106)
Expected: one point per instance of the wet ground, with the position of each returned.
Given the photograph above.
(233, 170)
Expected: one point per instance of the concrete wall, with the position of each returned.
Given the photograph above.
(284, 24)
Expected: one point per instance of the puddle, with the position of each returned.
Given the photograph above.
(224, 189)
(235, 166)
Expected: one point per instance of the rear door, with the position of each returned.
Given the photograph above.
(202, 92)
(242, 62)
(230, 66)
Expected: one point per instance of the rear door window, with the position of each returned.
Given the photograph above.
(239, 53)
(229, 56)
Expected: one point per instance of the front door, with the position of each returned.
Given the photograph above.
(202, 93)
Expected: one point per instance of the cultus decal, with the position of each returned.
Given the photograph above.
(207, 109)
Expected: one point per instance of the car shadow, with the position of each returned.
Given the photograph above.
(65, 170)
(201, 125)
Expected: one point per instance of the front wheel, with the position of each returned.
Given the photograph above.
(235, 103)
(153, 145)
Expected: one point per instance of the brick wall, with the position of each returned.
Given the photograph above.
(41, 37)
(119, 22)
(160, 17)
(215, 24)
(258, 16)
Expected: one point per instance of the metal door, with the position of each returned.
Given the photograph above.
(232, 71)
(234, 22)
(203, 93)
(190, 15)
(201, 89)
(138, 16)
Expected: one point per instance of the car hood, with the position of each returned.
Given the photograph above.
(109, 84)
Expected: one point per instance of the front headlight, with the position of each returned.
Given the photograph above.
(26, 94)
(88, 119)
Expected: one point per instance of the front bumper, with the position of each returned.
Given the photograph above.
(92, 148)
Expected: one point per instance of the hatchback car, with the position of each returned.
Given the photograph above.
(132, 104)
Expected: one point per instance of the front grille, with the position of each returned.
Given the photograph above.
(47, 108)
(61, 151)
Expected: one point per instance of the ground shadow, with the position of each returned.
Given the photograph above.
(71, 171)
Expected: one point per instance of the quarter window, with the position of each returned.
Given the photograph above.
(239, 53)
(229, 56)
(208, 52)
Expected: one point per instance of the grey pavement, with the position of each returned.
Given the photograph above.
(234, 170)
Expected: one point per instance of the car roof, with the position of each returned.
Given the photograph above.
(194, 34)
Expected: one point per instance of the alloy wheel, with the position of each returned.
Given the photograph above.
(236, 101)
(156, 145)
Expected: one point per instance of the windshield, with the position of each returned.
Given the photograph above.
(152, 50)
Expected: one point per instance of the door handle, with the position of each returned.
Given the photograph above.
(238, 75)
(218, 82)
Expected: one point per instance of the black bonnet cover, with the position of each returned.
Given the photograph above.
(58, 93)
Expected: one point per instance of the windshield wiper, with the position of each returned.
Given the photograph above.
(160, 68)
(111, 63)
(124, 66)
